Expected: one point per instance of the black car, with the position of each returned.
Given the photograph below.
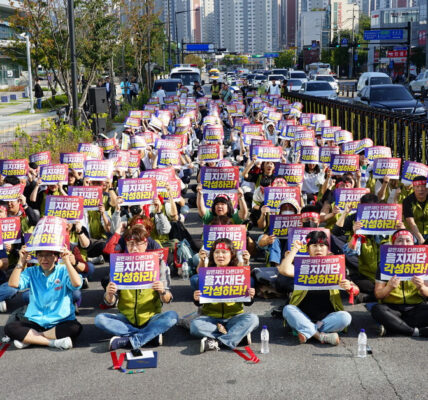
(391, 97)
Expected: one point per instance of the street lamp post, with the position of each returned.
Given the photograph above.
(176, 31)
(30, 77)
(75, 104)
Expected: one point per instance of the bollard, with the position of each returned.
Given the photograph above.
(24, 95)
(4, 99)
(13, 97)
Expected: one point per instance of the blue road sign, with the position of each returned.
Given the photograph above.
(384, 34)
(344, 42)
(271, 55)
(199, 47)
(356, 57)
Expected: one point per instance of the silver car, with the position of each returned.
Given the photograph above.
(294, 85)
(318, 89)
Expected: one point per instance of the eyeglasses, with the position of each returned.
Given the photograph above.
(132, 243)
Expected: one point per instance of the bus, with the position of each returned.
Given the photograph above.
(188, 73)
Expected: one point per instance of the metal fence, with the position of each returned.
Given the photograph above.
(406, 134)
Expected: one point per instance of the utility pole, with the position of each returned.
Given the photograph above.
(409, 48)
(351, 64)
(169, 38)
(75, 103)
(149, 72)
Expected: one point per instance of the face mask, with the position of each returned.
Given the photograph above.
(310, 224)
(287, 212)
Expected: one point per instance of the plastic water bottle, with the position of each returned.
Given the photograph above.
(362, 344)
(185, 270)
(265, 340)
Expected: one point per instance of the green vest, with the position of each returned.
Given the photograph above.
(405, 191)
(329, 224)
(138, 306)
(298, 296)
(420, 215)
(369, 258)
(222, 310)
(96, 228)
(215, 90)
(406, 293)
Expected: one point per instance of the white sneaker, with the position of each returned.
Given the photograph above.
(63, 344)
(20, 345)
(3, 306)
(331, 338)
(208, 344)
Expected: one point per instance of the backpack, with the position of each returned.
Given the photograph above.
(184, 253)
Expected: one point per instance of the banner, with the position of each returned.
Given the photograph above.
(327, 152)
(280, 224)
(274, 116)
(309, 154)
(327, 133)
(73, 160)
(249, 130)
(134, 271)
(341, 163)
(288, 132)
(403, 261)
(292, 173)
(350, 147)
(43, 158)
(18, 168)
(379, 219)
(210, 152)
(92, 151)
(351, 196)
(363, 144)
(225, 179)
(261, 142)
(132, 122)
(138, 142)
(342, 136)
(300, 235)
(92, 195)
(386, 167)
(319, 273)
(273, 196)
(213, 133)
(236, 233)
(371, 153)
(67, 207)
(54, 174)
(108, 145)
(169, 157)
(266, 153)
(167, 144)
(175, 186)
(137, 114)
(210, 195)
(11, 193)
(411, 170)
(304, 134)
(11, 230)
(100, 170)
(120, 159)
(162, 176)
(49, 234)
(134, 161)
(137, 191)
(224, 284)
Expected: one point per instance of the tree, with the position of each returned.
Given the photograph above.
(46, 22)
(417, 57)
(194, 59)
(286, 59)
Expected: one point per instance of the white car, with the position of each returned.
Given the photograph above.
(298, 75)
(329, 79)
(318, 89)
(420, 84)
(294, 85)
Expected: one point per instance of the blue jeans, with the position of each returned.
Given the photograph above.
(237, 328)
(333, 322)
(194, 282)
(118, 324)
(7, 292)
(39, 103)
(91, 270)
(274, 250)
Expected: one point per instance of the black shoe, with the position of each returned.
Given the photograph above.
(208, 344)
(423, 331)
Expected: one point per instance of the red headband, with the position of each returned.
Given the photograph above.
(419, 183)
(222, 196)
(138, 221)
(396, 235)
(222, 246)
(319, 241)
(310, 215)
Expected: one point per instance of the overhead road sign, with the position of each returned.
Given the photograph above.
(199, 47)
(384, 34)
(271, 55)
(344, 42)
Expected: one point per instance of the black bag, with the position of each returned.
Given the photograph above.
(179, 232)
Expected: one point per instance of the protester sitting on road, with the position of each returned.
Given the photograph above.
(402, 308)
(315, 313)
(140, 318)
(222, 205)
(223, 322)
(50, 315)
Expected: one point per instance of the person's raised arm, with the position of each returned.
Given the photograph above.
(20, 266)
(250, 164)
(243, 209)
(75, 278)
(414, 229)
(286, 266)
(200, 201)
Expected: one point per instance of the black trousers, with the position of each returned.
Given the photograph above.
(401, 318)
